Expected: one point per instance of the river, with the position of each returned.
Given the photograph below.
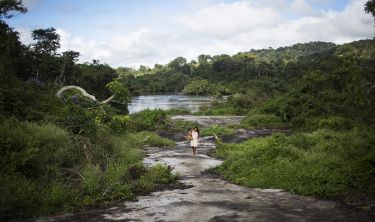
(189, 102)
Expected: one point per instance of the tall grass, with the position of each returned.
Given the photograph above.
(323, 163)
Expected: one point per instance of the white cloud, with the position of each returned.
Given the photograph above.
(217, 28)
(89, 49)
(301, 7)
(228, 19)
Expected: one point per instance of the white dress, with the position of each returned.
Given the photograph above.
(194, 141)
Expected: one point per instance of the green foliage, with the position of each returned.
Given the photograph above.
(148, 120)
(11, 5)
(120, 90)
(47, 169)
(57, 156)
(120, 123)
(324, 163)
(218, 130)
(336, 123)
(31, 148)
(263, 121)
(177, 111)
(152, 139)
(156, 177)
(219, 110)
(204, 87)
(48, 41)
(370, 7)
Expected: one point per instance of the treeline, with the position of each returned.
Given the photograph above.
(60, 155)
(326, 77)
(224, 69)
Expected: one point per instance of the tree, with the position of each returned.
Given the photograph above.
(370, 7)
(68, 60)
(177, 63)
(48, 41)
(203, 59)
(6, 6)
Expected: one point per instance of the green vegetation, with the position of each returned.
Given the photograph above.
(321, 163)
(60, 155)
(263, 121)
(48, 169)
(218, 130)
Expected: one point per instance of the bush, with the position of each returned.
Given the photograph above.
(323, 163)
(151, 139)
(148, 120)
(120, 123)
(156, 178)
(46, 169)
(336, 123)
(263, 120)
(34, 149)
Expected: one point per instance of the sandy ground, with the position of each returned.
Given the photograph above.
(213, 199)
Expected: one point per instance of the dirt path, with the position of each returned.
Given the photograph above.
(212, 199)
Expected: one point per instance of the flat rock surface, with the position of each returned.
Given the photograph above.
(213, 199)
(209, 120)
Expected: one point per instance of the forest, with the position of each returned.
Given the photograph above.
(60, 154)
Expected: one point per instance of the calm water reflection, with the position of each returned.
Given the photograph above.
(139, 103)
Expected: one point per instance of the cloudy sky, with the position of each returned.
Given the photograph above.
(134, 32)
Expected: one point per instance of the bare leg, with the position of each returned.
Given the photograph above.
(194, 150)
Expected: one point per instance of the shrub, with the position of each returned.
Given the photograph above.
(148, 120)
(323, 163)
(263, 120)
(31, 149)
(336, 123)
(120, 123)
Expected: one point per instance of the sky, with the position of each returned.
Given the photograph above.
(131, 33)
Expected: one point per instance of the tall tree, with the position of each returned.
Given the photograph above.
(7, 6)
(47, 41)
(370, 7)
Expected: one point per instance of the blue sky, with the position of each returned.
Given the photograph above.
(135, 32)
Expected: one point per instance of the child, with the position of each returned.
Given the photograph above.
(194, 140)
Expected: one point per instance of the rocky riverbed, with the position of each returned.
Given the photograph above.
(210, 198)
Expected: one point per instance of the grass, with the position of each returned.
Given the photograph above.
(321, 163)
(218, 130)
(151, 139)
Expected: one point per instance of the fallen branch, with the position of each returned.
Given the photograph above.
(84, 93)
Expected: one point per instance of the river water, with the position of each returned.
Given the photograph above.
(192, 103)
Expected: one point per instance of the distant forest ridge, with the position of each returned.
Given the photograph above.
(283, 62)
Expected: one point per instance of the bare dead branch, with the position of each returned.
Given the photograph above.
(84, 93)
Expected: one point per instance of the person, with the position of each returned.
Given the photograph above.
(194, 141)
